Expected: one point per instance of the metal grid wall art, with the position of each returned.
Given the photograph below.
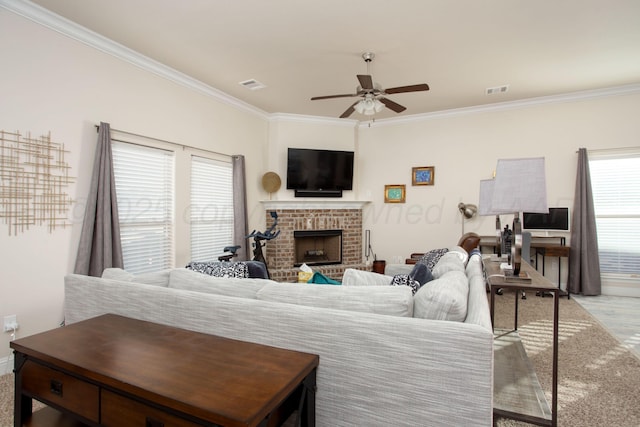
(34, 177)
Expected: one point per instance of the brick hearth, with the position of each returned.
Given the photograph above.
(280, 251)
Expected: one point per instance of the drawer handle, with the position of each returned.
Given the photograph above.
(154, 423)
(56, 387)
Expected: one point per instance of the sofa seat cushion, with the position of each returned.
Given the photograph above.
(157, 278)
(181, 278)
(445, 298)
(389, 300)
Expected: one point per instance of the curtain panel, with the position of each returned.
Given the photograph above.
(240, 223)
(584, 261)
(100, 246)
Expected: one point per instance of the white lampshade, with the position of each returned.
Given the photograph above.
(486, 196)
(520, 186)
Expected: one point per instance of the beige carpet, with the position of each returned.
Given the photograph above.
(599, 379)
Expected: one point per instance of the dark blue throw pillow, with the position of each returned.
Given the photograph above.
(421, 274)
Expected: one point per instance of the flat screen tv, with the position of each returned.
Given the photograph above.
(556, 220)
(319, 173)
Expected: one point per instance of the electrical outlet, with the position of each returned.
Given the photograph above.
(10, 323)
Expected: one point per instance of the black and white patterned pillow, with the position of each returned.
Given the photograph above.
(238, 270)
(431, 258)
(405, 280)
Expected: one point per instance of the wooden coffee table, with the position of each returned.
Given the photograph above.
(116, 371)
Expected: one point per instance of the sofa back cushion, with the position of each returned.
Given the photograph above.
(157, 278)
(445, 298)
(355, 277)
(389, 300)
(181, 278)
(450, 261)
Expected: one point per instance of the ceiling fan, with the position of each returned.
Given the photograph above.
(373, 96)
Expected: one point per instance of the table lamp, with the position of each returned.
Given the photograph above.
(520, 186)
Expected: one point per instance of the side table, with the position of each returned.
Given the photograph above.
(529, 403)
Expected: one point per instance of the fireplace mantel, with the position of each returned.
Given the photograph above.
(313, 204)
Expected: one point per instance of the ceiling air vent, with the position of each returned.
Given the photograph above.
(497, 89)
(252, 84)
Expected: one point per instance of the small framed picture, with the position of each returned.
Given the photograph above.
(423, 175)
(394, 193)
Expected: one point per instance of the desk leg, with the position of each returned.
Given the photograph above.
(515, 318)
(493, 301)
(554, 390)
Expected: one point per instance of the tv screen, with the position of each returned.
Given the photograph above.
(556, 219)
(310, 170)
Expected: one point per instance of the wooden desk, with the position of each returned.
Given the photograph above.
(553, 250)
(511, 362)
(121, 372)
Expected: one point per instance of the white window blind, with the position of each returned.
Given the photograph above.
(211, 208)
(144, 186)
(615, 180)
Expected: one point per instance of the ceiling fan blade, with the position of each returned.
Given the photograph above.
(392, 105)
(412, 88)
(349, 111)
(346, 95)
(366, 82)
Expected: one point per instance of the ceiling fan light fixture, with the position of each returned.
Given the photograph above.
(369, 106)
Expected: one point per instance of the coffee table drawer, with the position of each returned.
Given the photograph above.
(119, 411)
(55, 387)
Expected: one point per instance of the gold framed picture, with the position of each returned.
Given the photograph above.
(423, 175)
(394, 193)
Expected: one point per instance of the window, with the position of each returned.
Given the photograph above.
(144, 187)
(174, 206)
(615, 180)
(211, 208)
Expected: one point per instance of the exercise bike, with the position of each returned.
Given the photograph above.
(230, 252)
(258, 237)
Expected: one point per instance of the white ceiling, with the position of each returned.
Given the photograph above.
(305, 48)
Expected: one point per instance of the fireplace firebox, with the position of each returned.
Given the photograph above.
(317, 247)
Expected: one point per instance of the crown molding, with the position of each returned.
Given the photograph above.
(511, 105)
(55, 22)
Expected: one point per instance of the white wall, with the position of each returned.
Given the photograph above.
(50, 82)
(464, 147)
(288, 131)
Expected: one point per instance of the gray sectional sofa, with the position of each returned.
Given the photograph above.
(384, 360)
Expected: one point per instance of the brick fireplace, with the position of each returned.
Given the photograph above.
(314, 218)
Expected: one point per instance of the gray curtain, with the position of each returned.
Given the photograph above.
(100, 245)
(240, 222)
(584, 262)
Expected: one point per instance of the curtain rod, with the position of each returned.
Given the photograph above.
(167, 142)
